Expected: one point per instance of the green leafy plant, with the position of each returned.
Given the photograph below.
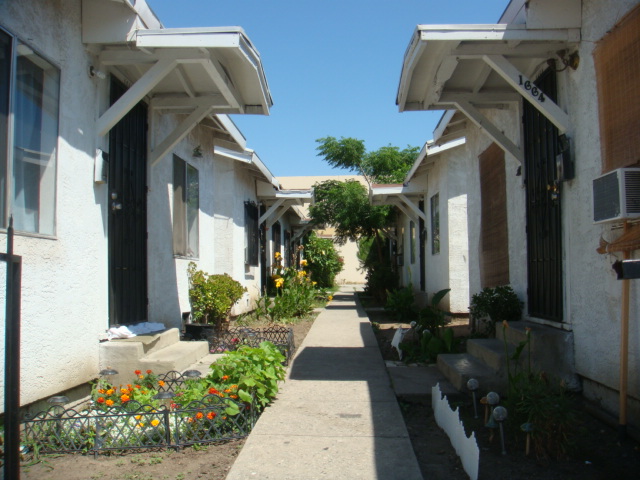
(212, 296)
(432, 336)
(256, 372)
(323, 261)
(532, 398)
(400, 303)
(498, 304)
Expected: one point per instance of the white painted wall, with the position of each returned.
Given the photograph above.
(64, 281)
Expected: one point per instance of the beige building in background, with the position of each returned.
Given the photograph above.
(352, 273)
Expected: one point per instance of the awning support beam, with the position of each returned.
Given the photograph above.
(398, 204)
(281, 211)
(131, 97)
(529, 91)
(179, 133)
(270, 210)
(413, 207)
(490, 129)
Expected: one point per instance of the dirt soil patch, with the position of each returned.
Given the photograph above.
(212, 462)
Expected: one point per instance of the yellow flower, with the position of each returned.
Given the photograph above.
(314, 283)
(278, 255)
(330, 297)
(303, 263)
(155, 422)
(279, 282)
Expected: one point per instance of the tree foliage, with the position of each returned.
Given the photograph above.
(345, 206)
(386, 165)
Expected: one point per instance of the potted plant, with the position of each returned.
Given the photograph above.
(211, 297)
(497, 304)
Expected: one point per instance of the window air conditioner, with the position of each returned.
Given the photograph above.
(616, 195)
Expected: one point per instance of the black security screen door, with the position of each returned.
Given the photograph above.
(544, 235)
(128, 215)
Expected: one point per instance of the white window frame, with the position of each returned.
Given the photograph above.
(35, 212)
(186, 222)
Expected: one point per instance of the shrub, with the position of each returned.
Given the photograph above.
(323, 261)
(212, 296)
(400, 303)
(498, 303)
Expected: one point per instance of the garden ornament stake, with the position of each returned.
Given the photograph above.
(473, 385)
(527, 428)
(500, 415)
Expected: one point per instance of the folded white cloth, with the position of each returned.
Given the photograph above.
(120, 332)
(133, 330)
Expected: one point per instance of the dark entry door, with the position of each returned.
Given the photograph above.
(128, 215)
(544, 234)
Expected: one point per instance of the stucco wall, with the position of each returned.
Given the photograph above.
(64, 278)
(591, 293)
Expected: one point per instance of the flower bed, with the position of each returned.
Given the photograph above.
(138, 426)
(170, 410)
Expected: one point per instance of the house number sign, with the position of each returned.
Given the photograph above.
(534, 91)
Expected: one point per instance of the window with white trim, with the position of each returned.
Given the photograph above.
(186, 208)
(435, 224)
(29, 110)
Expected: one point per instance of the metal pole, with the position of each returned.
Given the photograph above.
(12, 361)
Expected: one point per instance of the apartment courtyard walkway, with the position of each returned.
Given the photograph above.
(336, 416)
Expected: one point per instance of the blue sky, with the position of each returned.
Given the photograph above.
(333, 68)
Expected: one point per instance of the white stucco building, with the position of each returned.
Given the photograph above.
(545, 100)
(120, 165)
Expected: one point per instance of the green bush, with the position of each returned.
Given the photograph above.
(323, 261)
(212, 296)
(376, 260)
(498, 303)
(400, 303)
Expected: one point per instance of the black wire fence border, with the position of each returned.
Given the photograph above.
(221, 341)
(138, 427)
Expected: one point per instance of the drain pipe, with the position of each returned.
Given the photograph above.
(624, 348)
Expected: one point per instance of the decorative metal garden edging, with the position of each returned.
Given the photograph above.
(59, 430)
(228, 340)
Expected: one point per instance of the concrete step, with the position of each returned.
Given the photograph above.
(491, 351)
(177, 356)
(460, 367)
(203, 364)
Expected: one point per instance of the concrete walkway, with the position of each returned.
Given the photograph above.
(336, 416)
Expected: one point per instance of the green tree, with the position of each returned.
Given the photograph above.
(324, 261)
(346, 207)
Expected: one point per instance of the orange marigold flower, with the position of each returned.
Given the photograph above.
(138, 417)
(144, 392)
(227, 390)
(141, 376)
(211, 415)
(125, 398)
(161, 383)
(137, 372)
(189, 419)
(129, 386)
(149, 371)
(100, 400)
(138, 387)
(124, 391)
(109, 402)
(110, 391)
(225, 377)
(213, 391)
(199, 415)
(233, 396)
(155, 422)
(101, 390)
(234, 387)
